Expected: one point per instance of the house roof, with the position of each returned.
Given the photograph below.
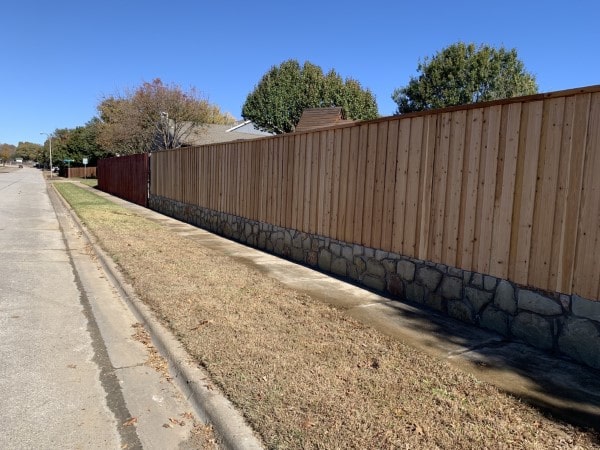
(247, 126)
(320, 118)
(214, 134)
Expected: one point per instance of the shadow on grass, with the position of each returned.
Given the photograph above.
(557, 386)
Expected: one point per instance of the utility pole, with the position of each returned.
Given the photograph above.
(50, 137)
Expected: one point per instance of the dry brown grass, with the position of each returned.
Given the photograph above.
(303, 373)
(154, 359)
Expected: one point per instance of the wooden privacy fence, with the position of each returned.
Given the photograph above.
(507, 188)
(125, 177)
(78, 172)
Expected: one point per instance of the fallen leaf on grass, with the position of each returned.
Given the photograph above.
(204, 322)
(307, 423)
(415, 428)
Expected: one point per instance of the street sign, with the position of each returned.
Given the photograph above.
(85, 161)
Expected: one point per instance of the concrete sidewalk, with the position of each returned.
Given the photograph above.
(565, 389)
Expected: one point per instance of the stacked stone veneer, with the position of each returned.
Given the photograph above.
(566, 324)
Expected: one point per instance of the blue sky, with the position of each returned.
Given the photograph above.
(60, 58)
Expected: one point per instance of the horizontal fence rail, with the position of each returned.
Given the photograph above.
(125, 177)
(508, 188)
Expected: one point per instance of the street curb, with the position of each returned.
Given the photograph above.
(210, 404)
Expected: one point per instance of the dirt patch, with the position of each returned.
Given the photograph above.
(303, 373)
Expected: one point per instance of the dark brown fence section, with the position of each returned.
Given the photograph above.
(125, 177)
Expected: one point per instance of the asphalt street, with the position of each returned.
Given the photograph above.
(71, 375)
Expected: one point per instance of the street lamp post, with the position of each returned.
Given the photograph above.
(50, 138)
(167, 129)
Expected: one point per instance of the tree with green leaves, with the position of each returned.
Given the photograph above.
(71, 144)
(6, 153)
(285, 91)
(29, 151)
(462, 74)
(81, 142)
(154, 116)
(60, 139)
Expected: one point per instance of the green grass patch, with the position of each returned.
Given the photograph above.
(82, 200)
(100, 214)
(92, 182)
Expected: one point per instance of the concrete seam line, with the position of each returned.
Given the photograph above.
(211, 405)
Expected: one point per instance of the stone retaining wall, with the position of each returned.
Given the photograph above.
(560, 323)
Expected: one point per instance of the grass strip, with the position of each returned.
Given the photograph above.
(92, 182)
(303, 373)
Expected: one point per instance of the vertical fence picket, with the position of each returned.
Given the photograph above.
(587, 258)
(454, 187)
(342, 216)
(391, 147)
(525, 193)
(352, 183)
(505, 191)
(379, 185)
(400, 189)
(574, 144)
(413, 203)
(546, 195)
(336, 163)
(369, 190)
